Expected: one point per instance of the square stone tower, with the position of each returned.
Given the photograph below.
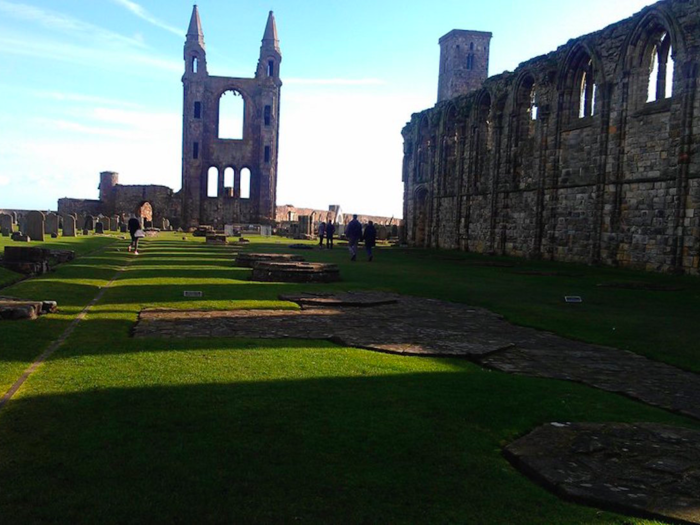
(464, 62)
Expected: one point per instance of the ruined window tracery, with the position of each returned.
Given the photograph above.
(482, 139)
(231, 115)
(588, 91)
(661, 68)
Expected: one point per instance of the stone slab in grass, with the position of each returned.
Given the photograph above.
(428, 327)
(295, 272)
(248, 260)
(643, 469)
(346, 299)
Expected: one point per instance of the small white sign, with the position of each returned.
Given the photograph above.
(573, 299)
(194, 294)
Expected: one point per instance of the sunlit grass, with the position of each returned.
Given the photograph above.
(208, 430)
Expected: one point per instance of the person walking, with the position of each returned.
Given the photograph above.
(370, 238)
(330, 230)
(353, 232)
(136, 233)
(321, 233)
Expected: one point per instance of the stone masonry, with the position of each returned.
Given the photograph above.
(253, 156)
(586, 154)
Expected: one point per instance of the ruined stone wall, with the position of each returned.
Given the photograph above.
(587, 154)
(80, 207)
(165, 203)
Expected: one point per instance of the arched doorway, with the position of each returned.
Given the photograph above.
(144, 211)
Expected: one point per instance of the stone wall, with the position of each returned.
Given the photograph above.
(580, 155)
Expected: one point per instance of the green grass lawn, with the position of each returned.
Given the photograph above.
(114, 429)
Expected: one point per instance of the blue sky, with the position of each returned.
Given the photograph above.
(94, 85)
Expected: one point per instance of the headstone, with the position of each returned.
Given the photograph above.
(86, 232)
(14, 217)
(147, 224)
(228, 230)
(69, 226)
(106, 223)
(22, 222)
(266, 230)
(89, 223)
(114, 224)
(5, 224)
(123, 227)
(99, 228)
(35, 226)
(51, 224)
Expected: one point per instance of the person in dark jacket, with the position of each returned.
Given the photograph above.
(370, 238)
(134, 225)
(353, 231)
(330, 230)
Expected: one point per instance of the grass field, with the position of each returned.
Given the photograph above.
(120, 430)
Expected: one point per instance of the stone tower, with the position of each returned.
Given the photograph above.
(207, 156)
(108, 180)
(464, 62)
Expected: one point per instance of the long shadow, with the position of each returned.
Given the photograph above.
(416, 448)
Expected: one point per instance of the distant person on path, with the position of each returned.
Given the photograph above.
(134, 226)
(370, 238)
(353, 232)
(321, 233)
(330, 230)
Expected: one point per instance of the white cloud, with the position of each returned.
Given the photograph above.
(142, 13)
(81, 98)
(60, 22)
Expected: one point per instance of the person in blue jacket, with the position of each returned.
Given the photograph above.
(353, 232)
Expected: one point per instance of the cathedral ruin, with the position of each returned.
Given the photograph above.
(225, 179)
(587, 154)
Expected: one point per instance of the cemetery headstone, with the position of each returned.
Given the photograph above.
(89, 223)
(35, 226)
(114, 224)
(5, 224)
(69, 226)
(99, 228)
(51, 224)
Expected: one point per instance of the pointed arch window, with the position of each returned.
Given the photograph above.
(195, 64)
(587, 91)
(661, 69)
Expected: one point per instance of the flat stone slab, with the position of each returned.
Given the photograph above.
(295, 272)
(346, 299)
(249, 260)
(643, 469)
(427, 327)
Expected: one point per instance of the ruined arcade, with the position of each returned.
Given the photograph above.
(587, 154)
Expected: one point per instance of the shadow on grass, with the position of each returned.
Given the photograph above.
(341, 450)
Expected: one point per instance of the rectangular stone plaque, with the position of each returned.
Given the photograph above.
(573, 299)
(193, 294)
